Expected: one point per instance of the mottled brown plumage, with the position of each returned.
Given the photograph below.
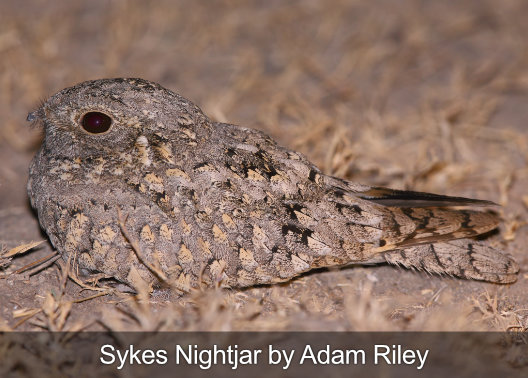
(215, 202)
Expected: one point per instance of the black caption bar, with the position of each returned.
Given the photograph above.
(264, 354)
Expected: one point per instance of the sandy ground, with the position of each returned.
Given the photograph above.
(419, 95)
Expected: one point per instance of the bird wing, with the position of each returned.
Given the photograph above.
(407, 198)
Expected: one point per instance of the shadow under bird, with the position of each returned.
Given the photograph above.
(134, 181)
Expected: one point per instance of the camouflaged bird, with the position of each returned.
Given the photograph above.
(208, 202)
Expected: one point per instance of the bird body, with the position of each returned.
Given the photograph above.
(134, 181)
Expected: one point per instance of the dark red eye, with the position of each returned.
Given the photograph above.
(96, 122)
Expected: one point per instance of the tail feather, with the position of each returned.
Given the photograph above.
(414, 226)
(461, 258)
(418, 230)
(408, 198)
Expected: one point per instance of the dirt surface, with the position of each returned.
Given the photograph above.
(420, 95)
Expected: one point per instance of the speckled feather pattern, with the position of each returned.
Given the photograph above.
(210, 202)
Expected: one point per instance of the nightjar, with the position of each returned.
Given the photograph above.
(134, 181)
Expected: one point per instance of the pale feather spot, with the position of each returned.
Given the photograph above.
(166, 232)
(165, 153)
(219, 235)
(87, 261)
(186, 229)
(294, 155)
(99, 168)
(228, 222)
(278, 177)
(146, 234)
(62, 224)
(423, 235)
(126, 157)
(155, 182)
(256, 214)
(184, 120)
(75, 231)
(303, 256)
(365, 234)
(107, 234)
(65, 166)
(184, 255)
(258, 233)
(246, 259)
(318, 246)
(173, 270)
(205, 246)
(99, 249)
(205, 168)
(184, 280)
(189, 133)
(263, 276)
(143, 148)
(306, 220)
(254, 175)
(177, 173)
(80, 220)
(217, 268)
(246, 147)
(245, 278)
(299, 265)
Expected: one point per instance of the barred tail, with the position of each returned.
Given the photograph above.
(461, 258)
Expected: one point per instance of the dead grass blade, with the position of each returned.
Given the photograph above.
(21, 249)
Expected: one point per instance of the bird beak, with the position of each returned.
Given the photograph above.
(31, 117)
(35, 115)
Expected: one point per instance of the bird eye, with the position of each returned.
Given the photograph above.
(96, 122)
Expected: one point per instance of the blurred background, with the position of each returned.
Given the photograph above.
(360, 87)
(424, 95)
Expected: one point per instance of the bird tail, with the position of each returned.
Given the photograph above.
(461, 258)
